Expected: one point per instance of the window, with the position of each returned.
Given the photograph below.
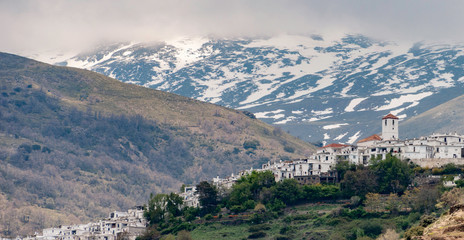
(385, 122)
(393, 122)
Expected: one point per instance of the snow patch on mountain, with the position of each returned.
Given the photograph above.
(326, 136)
(353, 138)
(323, 112)
(353, 103)
(398, 102)
(333, 126)
(341, 136)
(286, 120)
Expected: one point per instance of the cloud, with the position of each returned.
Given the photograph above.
(31, 25)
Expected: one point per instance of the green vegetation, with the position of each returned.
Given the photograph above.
(257, 207)
(383, 176)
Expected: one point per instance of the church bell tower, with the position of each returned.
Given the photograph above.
(390, 127)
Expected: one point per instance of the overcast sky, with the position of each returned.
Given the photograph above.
(28, 25)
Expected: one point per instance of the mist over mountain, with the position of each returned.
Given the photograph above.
(315, 87)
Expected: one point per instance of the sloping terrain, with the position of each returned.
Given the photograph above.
(445, 118)
(449, 226)
(318, 88)
(75, 144)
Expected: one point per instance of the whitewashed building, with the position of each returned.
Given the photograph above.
(190, 197)
(129, 224)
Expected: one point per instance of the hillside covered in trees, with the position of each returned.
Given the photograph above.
(389, 199)
(75, 145)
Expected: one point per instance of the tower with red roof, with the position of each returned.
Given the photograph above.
(390, 127)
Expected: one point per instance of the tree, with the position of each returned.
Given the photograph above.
(207, 196)
(394, 175)
(173, 204)
(254, 186)
(359, 182)
(426, 199)
(163, 206)
(156, 209)
(342, 167)
(319, 192)
(288, 191)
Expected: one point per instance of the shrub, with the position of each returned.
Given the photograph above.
(460, 183)
(260, 227)
(451, 168)
(46, 149)
(249, 204)
(184, 235)
(25, 147)
(286, 229)
(282, 238)
(335, 221)
(150, 233)
(257, 235)
(372, 229)
(259, 208)
(276, 205)
(249, 114)
(237, 208)
(403, 224)
(437, 171)
(289, 149)
(36, 147)
(208, 217)
(426, 220)
(414, 231)
(251, 144)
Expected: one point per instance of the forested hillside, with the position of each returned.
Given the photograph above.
(75, 145)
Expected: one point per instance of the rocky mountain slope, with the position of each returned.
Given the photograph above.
(76, 145)
(449, 226)
(318, 88)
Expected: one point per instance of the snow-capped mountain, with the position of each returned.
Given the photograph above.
(318, 89)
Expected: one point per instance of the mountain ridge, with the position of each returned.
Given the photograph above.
(319, 89)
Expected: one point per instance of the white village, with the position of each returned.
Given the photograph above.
(430, 151)
(118, 225)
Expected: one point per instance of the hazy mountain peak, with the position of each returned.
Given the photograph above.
(302, 83)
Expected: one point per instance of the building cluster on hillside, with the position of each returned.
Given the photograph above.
(190, 197)
(118, 225)
(436, 150)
